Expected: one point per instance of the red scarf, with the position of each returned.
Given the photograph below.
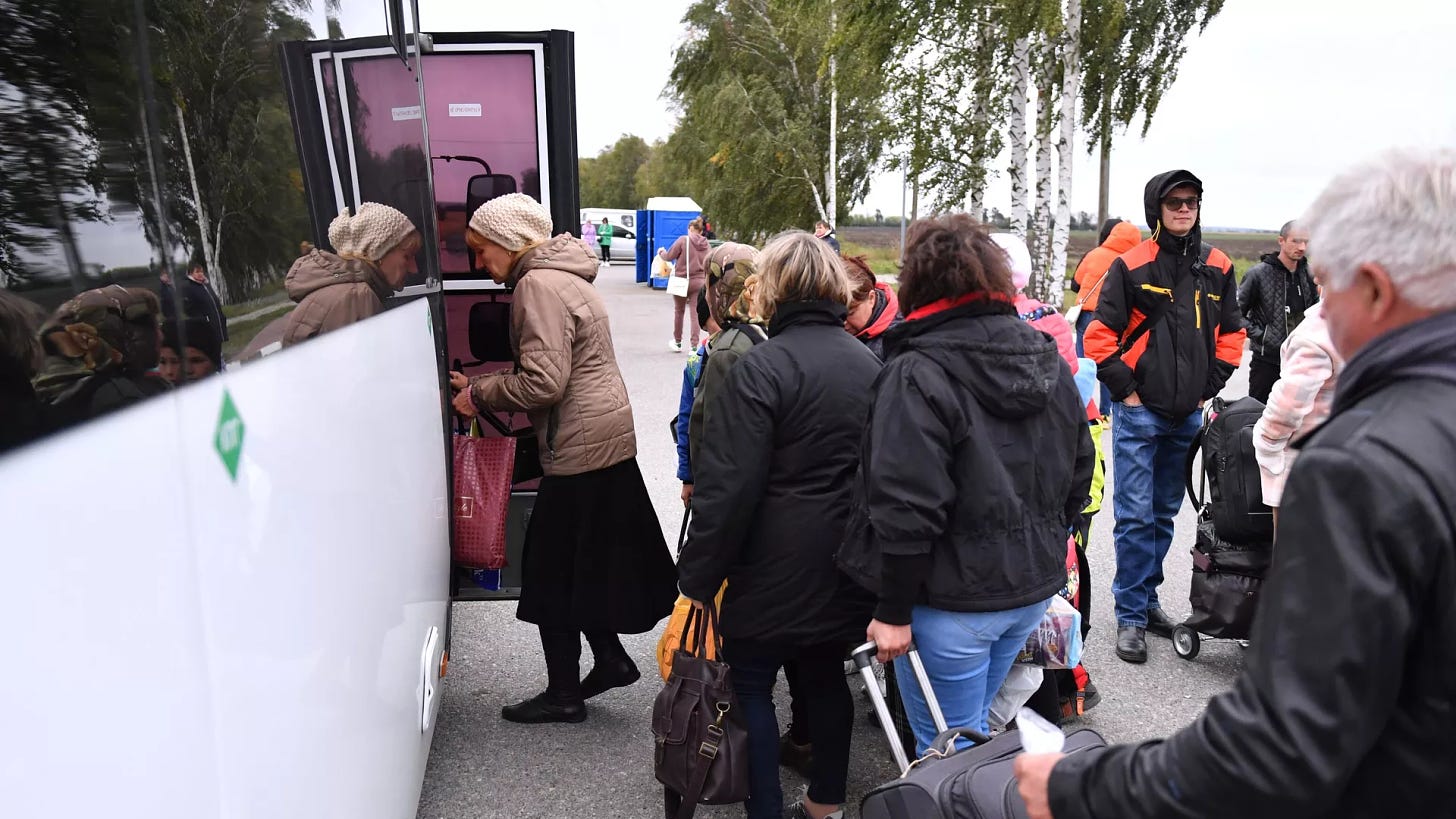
(961, 301)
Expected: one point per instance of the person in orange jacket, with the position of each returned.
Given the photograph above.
(1117, 238)
(1166, 337)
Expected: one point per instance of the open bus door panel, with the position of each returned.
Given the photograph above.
(499, 116)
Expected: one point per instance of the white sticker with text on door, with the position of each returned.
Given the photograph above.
(464, 109)
(407, 112)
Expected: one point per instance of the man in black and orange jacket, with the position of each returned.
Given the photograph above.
(1167, 336)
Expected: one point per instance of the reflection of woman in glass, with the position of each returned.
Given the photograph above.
(374, 253)
(595, 560)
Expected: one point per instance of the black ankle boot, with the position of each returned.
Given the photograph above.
(544, 707)
(608, 674)
(1132, 644)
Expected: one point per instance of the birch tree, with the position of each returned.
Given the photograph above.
(1020, 90)
(1054, 283)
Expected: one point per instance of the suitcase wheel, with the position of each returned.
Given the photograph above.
(1185, 642)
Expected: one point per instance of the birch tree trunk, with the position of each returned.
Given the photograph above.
(1071, 89)
(831, 175)
(1019, 192)
(215, 276)
(1042, 217)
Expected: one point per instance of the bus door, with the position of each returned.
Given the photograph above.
(498, 115)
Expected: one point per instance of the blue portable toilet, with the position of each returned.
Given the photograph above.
(659, 225)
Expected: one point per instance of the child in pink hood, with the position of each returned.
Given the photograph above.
(1299, 401)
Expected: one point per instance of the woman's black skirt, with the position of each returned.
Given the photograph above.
(595, 559)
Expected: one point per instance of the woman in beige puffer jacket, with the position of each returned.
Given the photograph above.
(374, 253)
(595, 560)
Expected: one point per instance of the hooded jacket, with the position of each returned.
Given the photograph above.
(1299, 402)
(1197, 340)
(693, 248)
(1274, 300)
(331, 292)
(566, 378)
(976, 461)
(1092, 270)
(773, 487)
(1346, 706)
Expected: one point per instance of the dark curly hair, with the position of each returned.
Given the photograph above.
(949, 256)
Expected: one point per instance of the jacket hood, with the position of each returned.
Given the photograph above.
(1425, 349)
(1159, 187)
(565, 253)
(796, 313)
(1272, 259)
(699, 243)
(1124, 237)
(1009, 366)
(321, 269)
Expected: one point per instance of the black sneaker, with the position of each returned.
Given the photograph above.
(794, 756)
(798, 811)
(542, 709)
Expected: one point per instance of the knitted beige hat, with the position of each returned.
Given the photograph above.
(513, 221)
(369, 234)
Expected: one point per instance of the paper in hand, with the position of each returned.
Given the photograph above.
(1037, 735)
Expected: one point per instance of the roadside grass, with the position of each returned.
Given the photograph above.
(270, 293)
(242, 332)
(884, 261)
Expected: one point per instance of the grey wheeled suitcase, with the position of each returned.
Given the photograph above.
(975, 783)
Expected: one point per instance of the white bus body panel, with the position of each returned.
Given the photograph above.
(183, 644)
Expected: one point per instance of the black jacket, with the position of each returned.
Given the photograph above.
(774, 479)
(1347, 703)
(1189, 354)
(199, 301)
(1273, 300)
(977, 461)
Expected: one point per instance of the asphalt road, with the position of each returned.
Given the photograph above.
(482, 766)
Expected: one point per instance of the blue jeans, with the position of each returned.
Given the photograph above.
(1084, 318)
(1149, 453)
(827, 703)
(966, 655)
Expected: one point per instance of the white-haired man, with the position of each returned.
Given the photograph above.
(1347, 703)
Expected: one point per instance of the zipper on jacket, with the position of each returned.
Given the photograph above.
(551, 425)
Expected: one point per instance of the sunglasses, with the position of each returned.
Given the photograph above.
(1176, 203)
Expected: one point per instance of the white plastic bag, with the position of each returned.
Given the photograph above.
(1057, 641)
(660, 268)
(1021, 682)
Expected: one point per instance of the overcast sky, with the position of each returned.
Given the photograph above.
(1272, 100)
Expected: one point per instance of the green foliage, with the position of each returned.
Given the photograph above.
(609, 180)
(1130, 55)
(752, 81)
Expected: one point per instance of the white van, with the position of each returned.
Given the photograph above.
(624, 230)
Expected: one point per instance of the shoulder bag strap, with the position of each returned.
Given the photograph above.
(1195, 495)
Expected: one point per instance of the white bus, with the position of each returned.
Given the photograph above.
(233, 598)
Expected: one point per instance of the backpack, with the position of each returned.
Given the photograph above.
(1230, 473)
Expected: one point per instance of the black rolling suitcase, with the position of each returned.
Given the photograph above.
(976, 783)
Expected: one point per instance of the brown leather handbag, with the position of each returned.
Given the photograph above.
(701, 746)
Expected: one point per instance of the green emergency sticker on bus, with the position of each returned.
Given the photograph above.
(228, 440)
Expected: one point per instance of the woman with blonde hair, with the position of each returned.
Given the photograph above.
(690, 252)
(773, 494)
(595, 560)
(374, 252)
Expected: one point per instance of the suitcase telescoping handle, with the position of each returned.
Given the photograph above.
(864, 659)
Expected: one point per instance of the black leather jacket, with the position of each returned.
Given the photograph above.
(1273, 300)
(1347, 704)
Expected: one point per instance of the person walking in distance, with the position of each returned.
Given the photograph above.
(604, 238)
(1345, 706)
(1273, 297)
(1166, 338)
(691, 250)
